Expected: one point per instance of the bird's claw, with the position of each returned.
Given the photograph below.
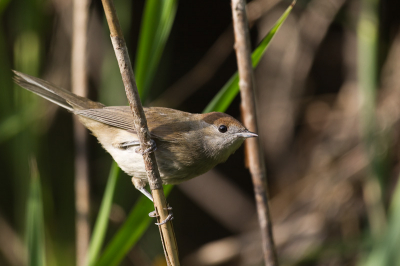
(170, 216)
(152, 148)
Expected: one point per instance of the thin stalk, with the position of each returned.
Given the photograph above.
(153, 175)
(367, 35)
(79, 87)
(254, 156)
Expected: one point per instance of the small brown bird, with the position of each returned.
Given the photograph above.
(188, 145)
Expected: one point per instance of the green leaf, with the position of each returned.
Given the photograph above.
(225, 96)
(100, 227)
(130, 232)
(157, 22)
(34, 221)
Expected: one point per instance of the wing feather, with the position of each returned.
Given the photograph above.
(163, 123)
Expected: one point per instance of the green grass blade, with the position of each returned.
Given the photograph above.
(156, 26)
(372, 138)
(385, 252)
(131, 231)
(385, 231)
(34, 222)
(100, 227)
(225, 96)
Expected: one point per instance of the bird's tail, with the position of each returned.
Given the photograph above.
(54, 94)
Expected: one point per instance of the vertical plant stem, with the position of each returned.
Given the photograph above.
(153, 175)
(254, 155)
(35, 233)
(367, 34)
(79, 87)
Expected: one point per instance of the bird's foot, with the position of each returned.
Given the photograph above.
(170, 216)
(152, 148)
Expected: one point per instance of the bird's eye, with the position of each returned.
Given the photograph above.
(222, 128)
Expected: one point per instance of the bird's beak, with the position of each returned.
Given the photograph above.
(246, 134)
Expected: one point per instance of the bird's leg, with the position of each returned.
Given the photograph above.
(146, 193)
(152, 148)
(154, 214)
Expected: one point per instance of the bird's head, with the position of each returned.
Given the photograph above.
(222, 135)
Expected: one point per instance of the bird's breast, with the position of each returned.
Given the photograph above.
(179, 162)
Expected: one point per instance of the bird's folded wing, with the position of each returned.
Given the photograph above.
(116, 116)
(162, 122)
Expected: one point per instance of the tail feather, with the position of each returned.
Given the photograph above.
(59, 96)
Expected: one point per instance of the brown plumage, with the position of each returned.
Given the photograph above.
(188, 144)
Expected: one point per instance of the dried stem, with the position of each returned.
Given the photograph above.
(153, 175)
(253, 151)
(79, 87)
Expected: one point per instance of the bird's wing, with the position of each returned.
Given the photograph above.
(168, 124)
(163, 123)
(116, 116)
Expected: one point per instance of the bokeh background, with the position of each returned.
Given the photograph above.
(328, 93)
